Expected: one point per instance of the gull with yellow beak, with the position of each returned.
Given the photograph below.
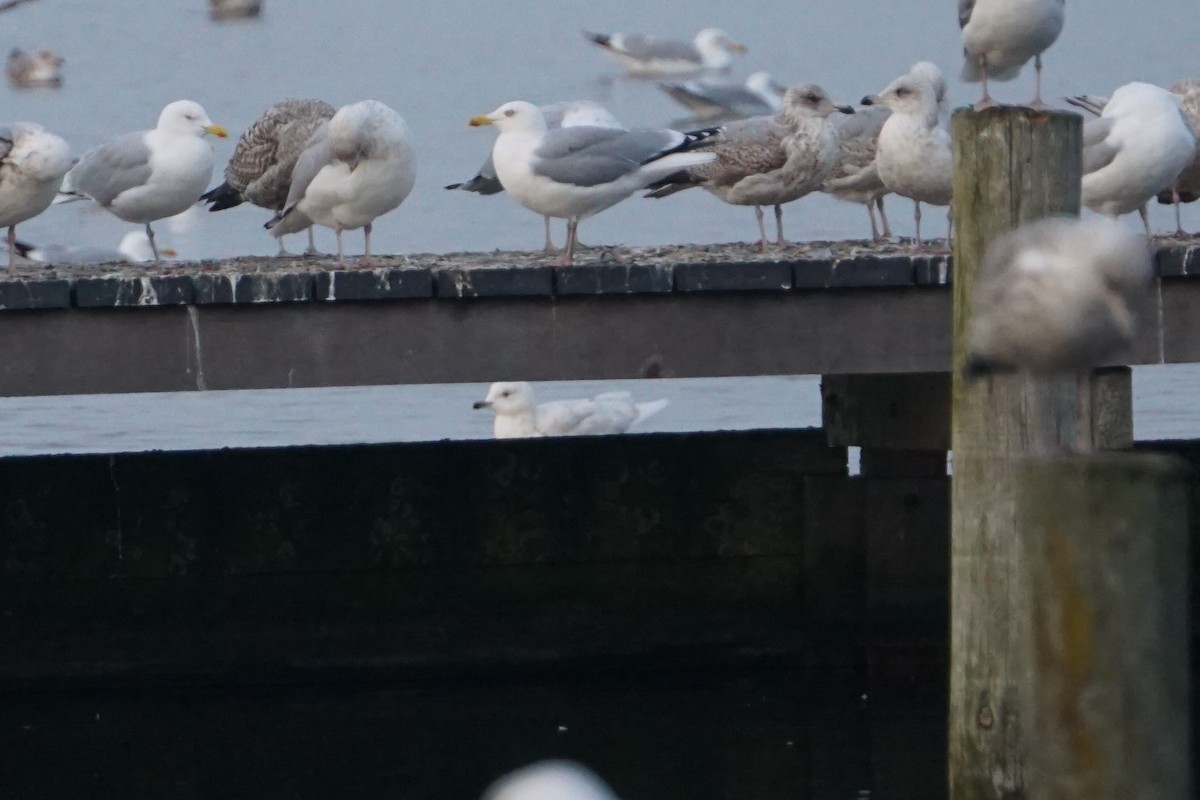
(572, 173)
(149, 175)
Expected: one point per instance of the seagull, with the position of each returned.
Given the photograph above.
(659, 57)
(517, 416)
(558, 115)
(576, 172)
(914, 154)
(234, 9)
(769, 160)
(260, 169)
(550, 780)
(149, 175)
(1137, 147)
(33, 162)
(999, 36)
(707, 99)
(134, 248)
(356, 167)
(43, 69)
(1187, 184)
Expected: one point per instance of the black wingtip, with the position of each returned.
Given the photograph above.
(453, 186)
(222, 197)
(602, 39)
(23, 248)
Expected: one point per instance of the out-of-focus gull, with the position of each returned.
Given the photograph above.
(234, 9)
(660, 57)
(133, 248)
(999, 36)
(42, 69)
(149, 175)
(356, 167)
(550, 780)
(710, 99)
(1187, 184)
(518, 416)
(914, 155)
(1057, 296)
(558, 115)
(769, 160)
(260, 169)
(1136, 148)
(573, 173)
(33, 162)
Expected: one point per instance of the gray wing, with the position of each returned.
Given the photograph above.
(1097, 153)
(586, 156)
(965, 7)
(105, 172)
(724, 97)
(317, 153)
(865, 123)
(1092, 103)
(651, 48)
(485, 181)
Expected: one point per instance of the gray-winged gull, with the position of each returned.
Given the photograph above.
(33, 162)
(356, 167)
(999, 36)
(133, 248)
(769, 161)
(518, 416)
(40, 70)
(660, 57)
(758, 95)
(573, 173)
(260, 169)
(146, 176)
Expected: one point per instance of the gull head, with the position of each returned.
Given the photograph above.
(932, 73)
(507, 397)
(550, 780)
(808, 99)
(135, 246)
(515, 116)
(717, 39)
(908, 94)
(186, 116)
(588, 113)
(764, 84)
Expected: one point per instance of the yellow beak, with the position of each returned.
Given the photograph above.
(216, 130)
(482, 119)
(737, 47)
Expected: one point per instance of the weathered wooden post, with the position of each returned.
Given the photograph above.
(1107, 540)
(1012, 165)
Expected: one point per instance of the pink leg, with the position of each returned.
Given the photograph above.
(1179, 231)
(549, 246)
(987, 101)
(1037, 98)
(875, 237)
(12, 247)
(887, 229)
(917, 219)
(365, 261)
(762, 231)
(1145, 220)
(568, 256)
(779, 227)
(337, 231)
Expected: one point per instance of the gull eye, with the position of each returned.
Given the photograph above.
(506, 394)
(903, 92)
(509, 113)
(812, 98)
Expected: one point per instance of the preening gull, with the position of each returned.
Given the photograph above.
(758, 95)
(1058, 296)
(550, 780)
(1187, 184)
(260, 169)
(39, 70)
(558, 115)
(134, 248)
(1136, 148)
(234, 9)
(660, 57)
(33, 162)
(518, 416)
(999, 36)
(769, 160)
(914, 155)
(576, 172)
(356, 167)
(146, 176)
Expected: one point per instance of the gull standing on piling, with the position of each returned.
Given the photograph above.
(33, 162)
(518, 416)
(914, 156)
(769, 160)
(999, 36)
(574, 173)
(260, 169)
(1187, 185)
(1135, 149)
(149, 175)
(356, 167)
(660, 57)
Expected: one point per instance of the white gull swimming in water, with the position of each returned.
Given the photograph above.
(759, 94)
(149, 175)
(999, 36)
(260, 169)
(769, 160)
(40, 70)
(134, 248)
(33, 162)
(914, 154)
(519, 416)
(355, 168)
(573, 173)
(558, 115)
(660, 57)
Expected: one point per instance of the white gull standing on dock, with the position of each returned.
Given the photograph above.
(576, 172)
(1187, 184)
(356, 167)
(33, 162)
(759, 94)
(999, 36)
(518, 416)
(149, 175)
(660, 57)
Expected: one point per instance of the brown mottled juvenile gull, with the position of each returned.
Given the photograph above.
(518, 416)
(33, 162)
(769, 160)
(260, 169)
(758, 95)
(42, 69)
(999, 36)
(655, 56)
(1187, 186)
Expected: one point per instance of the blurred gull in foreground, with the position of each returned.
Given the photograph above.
(517, 415)
(33, 162)
(660, 57)
(42, 69)
(710, 99)
(134, 248)
(999, 36)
